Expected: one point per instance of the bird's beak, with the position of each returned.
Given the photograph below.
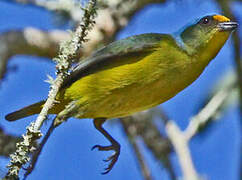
(228, 26)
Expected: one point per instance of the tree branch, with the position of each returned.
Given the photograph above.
(180, 140)
(141, 125)
(29, 41)
(7, 143)
(180, 144)
(118, 8)
(133, 141)
(68, 51)
(36, 154)
(207, 112)
(225, 7)
(103, 32)
(32, 41)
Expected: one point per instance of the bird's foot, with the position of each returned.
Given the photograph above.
(113, 158)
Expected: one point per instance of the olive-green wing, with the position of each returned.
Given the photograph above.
(114, 55)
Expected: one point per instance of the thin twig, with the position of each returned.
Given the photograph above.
(226, 8)
(7, 143)
(69, 110)
(206, 113)
(32, 41)
(181, 139)
(69, 7)
(36, 154)
(141, 125)
(120, 20)
(144, 167)
(132, 137)
(68, 52)
(181, 147)
(180, 144)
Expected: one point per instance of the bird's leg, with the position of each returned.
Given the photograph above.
(114, 144)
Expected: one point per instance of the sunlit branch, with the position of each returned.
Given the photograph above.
(207, 112)
(68, 51)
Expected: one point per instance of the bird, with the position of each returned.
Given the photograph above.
(137, 73)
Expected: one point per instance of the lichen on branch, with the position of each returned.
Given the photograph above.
(68, 51)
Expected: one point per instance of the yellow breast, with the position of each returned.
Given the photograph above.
(133, 87)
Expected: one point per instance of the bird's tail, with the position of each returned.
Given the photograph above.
(26, 111)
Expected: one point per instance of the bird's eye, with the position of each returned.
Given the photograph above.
(205, 20)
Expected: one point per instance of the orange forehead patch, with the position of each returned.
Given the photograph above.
(221, 18)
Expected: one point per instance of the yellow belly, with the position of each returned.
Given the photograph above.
(130, 88)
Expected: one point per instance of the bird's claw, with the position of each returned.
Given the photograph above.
(108, 159)
(103, 148)
(95, 147)
(113, 158)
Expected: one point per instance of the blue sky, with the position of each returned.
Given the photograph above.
(67, 154)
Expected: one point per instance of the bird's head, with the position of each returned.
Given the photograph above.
(207, 35)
